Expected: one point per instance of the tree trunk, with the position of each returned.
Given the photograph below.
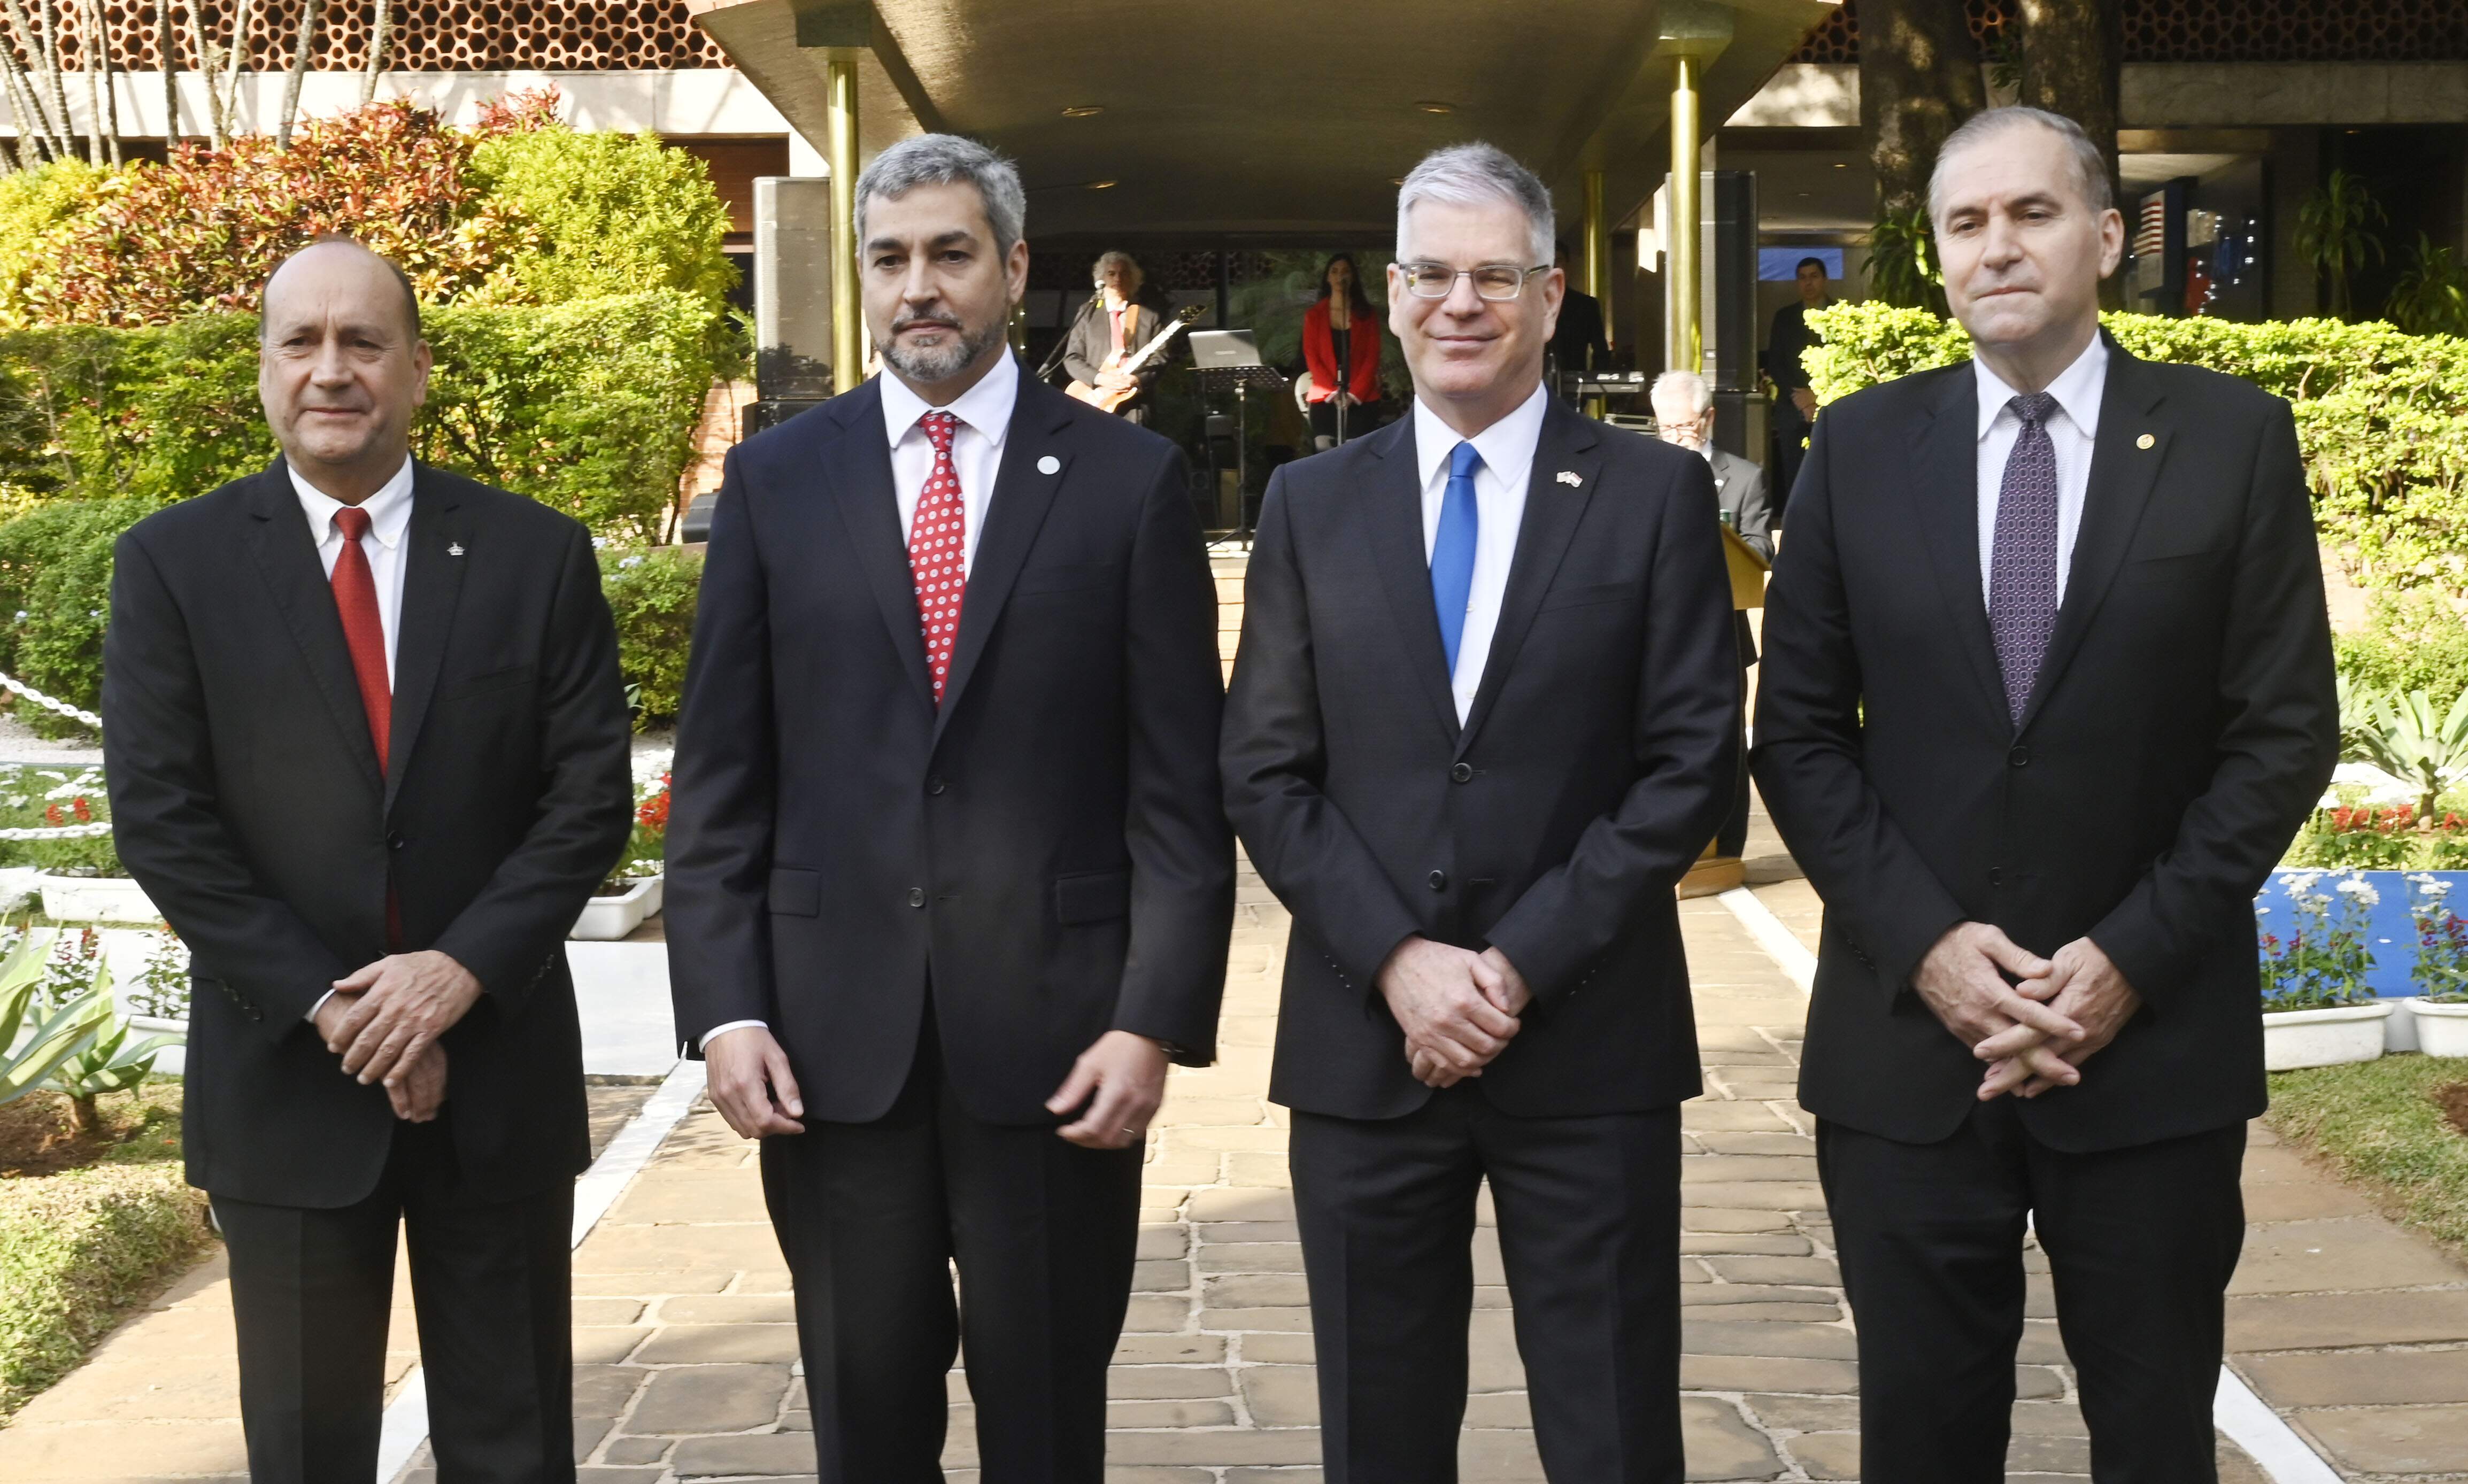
(92, 67)
(38, 80)
(235, 59)
(60, 94)
(380, 27)
(300, 54)
(106, 74)
(83, 1116)
(2073, 57)
(33, 137)
(1919, 78)
(167, 41)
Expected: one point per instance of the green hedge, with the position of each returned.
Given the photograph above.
(652, 596)
(2382, 417)
(76, 1249)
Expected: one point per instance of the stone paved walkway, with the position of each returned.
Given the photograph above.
(2356, 1330)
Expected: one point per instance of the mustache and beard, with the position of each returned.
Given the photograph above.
(938, 363)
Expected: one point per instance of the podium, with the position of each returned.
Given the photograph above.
(1712, 873)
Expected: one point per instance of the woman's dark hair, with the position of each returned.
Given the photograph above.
(1356, 298)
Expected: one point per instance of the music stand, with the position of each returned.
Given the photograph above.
(1231, 357)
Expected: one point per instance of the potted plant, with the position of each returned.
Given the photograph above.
(78, 873)
(2317, 1010)
(2440, 1011)
(632, 891)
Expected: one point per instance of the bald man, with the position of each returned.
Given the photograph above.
(367, 747)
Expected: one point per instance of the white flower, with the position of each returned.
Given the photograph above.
(2362, 891)
(630, 561)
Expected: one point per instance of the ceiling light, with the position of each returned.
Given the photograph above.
(1842, 165)
(1434, 105)
(1084, 110)
(1396, 180)
(1102, 185)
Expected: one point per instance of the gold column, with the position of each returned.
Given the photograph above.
(1680, 255)
(1594, 267)
(848, 314)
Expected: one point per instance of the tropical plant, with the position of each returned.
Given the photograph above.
(2357, 700)
(36, 1038)
(2432, 295)
(163, 986)
(2323, 960)
(2407, 739)
(74, 972)
(2335, 234)
(2441, 941)
(1903, 268)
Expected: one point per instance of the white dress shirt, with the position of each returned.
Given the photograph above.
(389, 521)
(1507, 449)
(984, 414)
(2072, 429)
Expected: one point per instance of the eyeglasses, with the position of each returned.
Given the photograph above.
(1493, 281)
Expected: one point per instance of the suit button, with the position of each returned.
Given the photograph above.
(394, 841)
(934, 785)
(1463, 772)
(917, 896)
(2019, 757)
(1995, 877)
(1439, 880)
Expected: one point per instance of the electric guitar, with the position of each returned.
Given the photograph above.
(1107, 398)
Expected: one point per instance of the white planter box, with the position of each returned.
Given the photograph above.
(2399, 1031)
(606, 918)
(94, 898)
(2291, 1039)
(2441, 1030)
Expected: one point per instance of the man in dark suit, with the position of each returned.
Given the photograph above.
(367, 743)
(1484, 716)
(1795, 409)
(1579, 345)
(950, 877)
(1684, 414)
(2047, 688)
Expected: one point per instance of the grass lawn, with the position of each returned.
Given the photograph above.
(99, 1230)
(2379, 1125)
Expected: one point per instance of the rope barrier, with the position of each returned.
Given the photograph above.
(48, 703)
(82, 832)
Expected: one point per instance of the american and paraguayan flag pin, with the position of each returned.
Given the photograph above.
(456, 550)
(1571, 478)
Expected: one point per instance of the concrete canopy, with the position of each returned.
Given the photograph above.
(1255, 116)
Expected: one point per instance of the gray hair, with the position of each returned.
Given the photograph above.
(944, 160)
(1113, 258)
(2090, 164)
(1687, 387)
(1480, 174)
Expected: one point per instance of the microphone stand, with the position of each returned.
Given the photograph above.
(1054, 359)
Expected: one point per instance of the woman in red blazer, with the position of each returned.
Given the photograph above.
(1342, 329)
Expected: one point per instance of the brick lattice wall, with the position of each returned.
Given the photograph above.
(2229, 31)
(427, 36)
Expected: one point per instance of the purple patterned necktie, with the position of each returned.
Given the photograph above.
(2023, 567)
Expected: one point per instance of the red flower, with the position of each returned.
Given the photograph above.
(83, 812)
(52, 815)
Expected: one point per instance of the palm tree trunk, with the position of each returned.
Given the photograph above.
(216, 134)
(380, 28)
(60, 99)
(105, 76)
(308, 43)
(1919, 78)
(2073, 63)
(53, 126)
(32, 136)
(167, 41)
(234, 60)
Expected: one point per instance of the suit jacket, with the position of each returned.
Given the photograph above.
(1740, 488)
(1596, 761)
(1577, 340)
(2181, 725)
(1047, 855)
(1789, 339)
(246, 800)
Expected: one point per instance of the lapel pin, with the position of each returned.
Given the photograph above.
(2145, 441)
(1049, 465)
(456, 550)
(1571, 478)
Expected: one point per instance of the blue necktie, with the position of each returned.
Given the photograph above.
(1453, 549)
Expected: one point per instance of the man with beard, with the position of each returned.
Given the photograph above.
(950, 881)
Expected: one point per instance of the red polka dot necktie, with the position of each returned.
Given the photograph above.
(938, 544)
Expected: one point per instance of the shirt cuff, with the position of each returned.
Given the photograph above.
(311, 1016)
(718, 1031)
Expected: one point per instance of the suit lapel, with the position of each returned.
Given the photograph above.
(2122, 475)
(1014, 509)
(857, 469)
(1947, 495)
(1394, 515)
(1553, 508)
(432, 583)
(286, 557)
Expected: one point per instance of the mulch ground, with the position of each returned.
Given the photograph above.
(34, 1137)
(2453, 1100)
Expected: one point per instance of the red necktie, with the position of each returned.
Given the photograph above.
(355, 598)
(938, 547)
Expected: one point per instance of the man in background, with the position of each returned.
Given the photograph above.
(367, 747)
(1684, 414)
(1795, 410)
(1112, 325)
(1579, 344)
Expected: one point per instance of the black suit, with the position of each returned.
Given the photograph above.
(1041, 860)
(1593, 766)
(1785, 344)
(248, 803)
(2181, 724)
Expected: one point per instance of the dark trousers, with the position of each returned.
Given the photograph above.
(491, 1285)
(1588, 1212)
(1790, 433)
(2140, 1244)
(872, 1215)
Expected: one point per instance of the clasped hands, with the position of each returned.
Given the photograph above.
(2036, 1032)
(1458, 1009)
(385, 1021)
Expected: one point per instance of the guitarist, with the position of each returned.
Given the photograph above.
(1113, 325)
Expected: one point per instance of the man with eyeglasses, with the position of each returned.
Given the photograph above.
(1484, 714)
